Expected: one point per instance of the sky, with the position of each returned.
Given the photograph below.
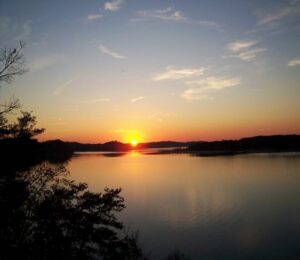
(156, 70)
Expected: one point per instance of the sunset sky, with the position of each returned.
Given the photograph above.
(156, 70)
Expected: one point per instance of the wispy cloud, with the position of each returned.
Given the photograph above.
(113, 5)
(164, 14)
(243, 49)
(93, 17)
(169, 14)
(199, 86)
(278, 15)
(61, 88)
(111, 53)
(136, 99)
(240, 45)
(173, 73)
(200, 89)
(214, 83)
(294, 62)
(44, 62)
(96, 100)
(195, 94)
(251, 54)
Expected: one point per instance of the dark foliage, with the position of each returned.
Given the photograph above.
(21, 153)
(57, 151)
(48, 216)
(109, 146)
(11, 64)
(276, 143)
(24, 128)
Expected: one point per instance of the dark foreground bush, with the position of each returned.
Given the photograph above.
(45, 215)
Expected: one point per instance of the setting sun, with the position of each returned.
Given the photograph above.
(134, 142)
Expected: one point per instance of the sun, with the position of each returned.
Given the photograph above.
(134, 142)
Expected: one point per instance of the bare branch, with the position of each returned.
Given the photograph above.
(12, 62)
(10, 106)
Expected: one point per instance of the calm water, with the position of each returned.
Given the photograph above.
(245, 206)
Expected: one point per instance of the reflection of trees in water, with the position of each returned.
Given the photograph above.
(47, 216)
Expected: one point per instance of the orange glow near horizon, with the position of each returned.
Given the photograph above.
(177, 132)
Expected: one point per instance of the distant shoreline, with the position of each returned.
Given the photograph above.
(219, 153)
(27, 152)
(256, 144)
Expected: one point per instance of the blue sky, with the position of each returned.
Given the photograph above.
(183, 69)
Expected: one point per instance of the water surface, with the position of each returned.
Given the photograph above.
(245, 206)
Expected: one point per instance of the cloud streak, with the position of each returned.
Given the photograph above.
(93, 17)
(164, 14)
(111, 53)
(294, 62)
(250, 55)
(214, 83)
(199, 89)
(240, 45)
(277, 16)
(113, 5)
(136, 99)
(169, 14)
(60, 89)
(195, 94)
(96, 100)
(172, 73)
(199, 86)
(244, 50)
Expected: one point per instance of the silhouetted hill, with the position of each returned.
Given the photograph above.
(109, 146)
(118, 146)
(56, 150)
(165, 144)
(275, 143)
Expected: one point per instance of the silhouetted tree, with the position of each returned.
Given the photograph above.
(10, 106)
(11, 63)
(49, 216)
(25, 127)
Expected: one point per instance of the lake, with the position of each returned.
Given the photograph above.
(243, 206)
